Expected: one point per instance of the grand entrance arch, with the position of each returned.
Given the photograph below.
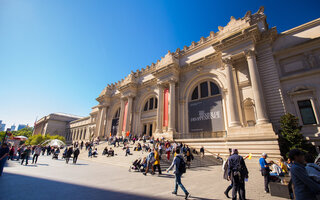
(115, 123)
(148, 116)
(205, 110)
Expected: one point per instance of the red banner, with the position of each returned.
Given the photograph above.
(165, 107)
(125, 117)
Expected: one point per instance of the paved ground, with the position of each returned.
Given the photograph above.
(54, 179)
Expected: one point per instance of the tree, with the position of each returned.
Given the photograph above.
(290, 136)
(39, 139)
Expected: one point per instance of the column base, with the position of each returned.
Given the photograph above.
(262, 121)
(235, 124)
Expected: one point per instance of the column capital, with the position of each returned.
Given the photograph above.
(250, 54)
(227, 61)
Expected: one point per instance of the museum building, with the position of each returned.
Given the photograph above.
(227, 90)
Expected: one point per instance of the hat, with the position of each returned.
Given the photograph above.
(264, 154)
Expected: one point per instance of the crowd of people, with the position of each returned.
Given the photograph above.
(303, 172)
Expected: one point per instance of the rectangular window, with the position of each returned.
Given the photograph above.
(204, 89)
(306, 112)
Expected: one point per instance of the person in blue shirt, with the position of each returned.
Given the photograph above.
(265, 171)
(304, 186)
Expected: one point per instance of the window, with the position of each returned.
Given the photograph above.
(146, 106)
(306, 112)
(151, 104)
(195, 94)
(156, 103)
(206, 89)
(214, 89)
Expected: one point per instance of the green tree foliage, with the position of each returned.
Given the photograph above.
(290, 136)
(39, 139)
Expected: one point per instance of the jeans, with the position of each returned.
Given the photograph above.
(228, 189)
(178, 183)
(266, 175)
(35, 157)
(157, 166)
(2, 163)
(238, 187)
(25, 158)
(75, 158)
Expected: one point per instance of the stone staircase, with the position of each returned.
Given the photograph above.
(126, 161)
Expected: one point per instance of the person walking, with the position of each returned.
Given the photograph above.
(225, 174)
(75, 155)
(265, 171)
(157, 162)
(150, 162)
(11, 153)
(69, 154)
(26, 155)
(81, 145)
(180, 168)
(304, 186)
(237, 172)
(4, 152)
(36, 154)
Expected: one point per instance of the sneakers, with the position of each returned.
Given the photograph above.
(187, 195)
(175, 193)
(144, 173)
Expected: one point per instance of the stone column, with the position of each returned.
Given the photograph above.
(171, 125)
(102, 114)
(233, 107)
(121, 117)
(262, 117)
(160, 109)
(129, 114)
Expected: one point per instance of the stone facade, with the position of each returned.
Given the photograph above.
(241, 79)
(54, 124)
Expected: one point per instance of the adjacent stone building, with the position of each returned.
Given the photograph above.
(224, 91)
(54, 124)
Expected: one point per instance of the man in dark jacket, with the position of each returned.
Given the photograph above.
(75, 155)
(304, 186)
(68, 154)
(237, 172)
(177, 161)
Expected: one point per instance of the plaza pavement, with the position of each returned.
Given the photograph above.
(91, 179)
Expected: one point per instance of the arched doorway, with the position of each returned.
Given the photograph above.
(115, 123)
(205, 109)
(149, 116)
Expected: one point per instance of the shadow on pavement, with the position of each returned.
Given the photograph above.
(38, 188)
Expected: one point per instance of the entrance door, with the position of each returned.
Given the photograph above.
(114, 126)
(150, 130)
(144, 129)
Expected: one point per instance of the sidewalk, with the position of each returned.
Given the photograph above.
(54, 179)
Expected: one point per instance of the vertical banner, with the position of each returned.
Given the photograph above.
(166, 107)
(124, 122)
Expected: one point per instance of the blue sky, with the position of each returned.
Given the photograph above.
(57, 56)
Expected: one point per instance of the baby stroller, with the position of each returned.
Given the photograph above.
(55, 155)
(136, 165)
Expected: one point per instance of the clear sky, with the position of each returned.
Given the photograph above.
(57, 55)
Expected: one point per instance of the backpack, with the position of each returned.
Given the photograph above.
(182, 166)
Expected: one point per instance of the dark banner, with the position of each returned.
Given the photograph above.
(206, 115)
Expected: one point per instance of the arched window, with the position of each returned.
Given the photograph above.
(205, 89)
(151, 104)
